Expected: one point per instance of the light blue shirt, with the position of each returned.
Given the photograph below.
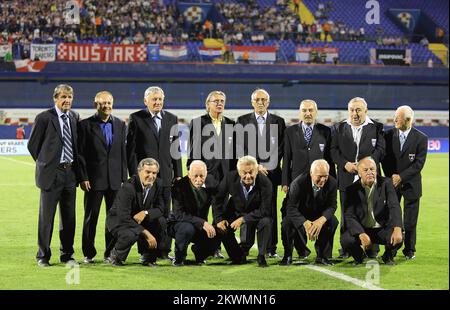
(247, 192)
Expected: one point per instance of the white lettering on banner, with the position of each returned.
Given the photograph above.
(13, 147)
(84, 53)
(95, 53)
(102, 52)
(43, 52)
(129, 53)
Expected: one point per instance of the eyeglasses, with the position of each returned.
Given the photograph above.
(217, 101)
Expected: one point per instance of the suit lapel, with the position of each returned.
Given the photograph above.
(149, 122)
(55, 121)
(299, 134)
(408, 140)
(97, 131)
(396, 142)
(115, 130)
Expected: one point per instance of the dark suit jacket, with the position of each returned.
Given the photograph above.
(298, 156)
(129, 202)
(46, 144)
(185, 207)
(143, 142)
(271, 139)
(303, 206)
(409, 162)
(386, 208)
(255, 208)
(217, 166)
(104, 167)
(343, 148)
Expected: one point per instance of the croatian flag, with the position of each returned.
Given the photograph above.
(209, 54)
(173, 52)
(255, 54)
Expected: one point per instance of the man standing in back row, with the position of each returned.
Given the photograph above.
(406, 152)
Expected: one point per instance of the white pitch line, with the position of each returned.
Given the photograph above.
(17, 161)
(345, 277)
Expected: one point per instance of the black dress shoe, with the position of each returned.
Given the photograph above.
(43, 262)
(324, 261)
(178, 262)
(286, 261)
(218, 254)
(68, 260)
(343, 254)
(239, 261)
(388, 260)
(116, 263)
(262, 261)
(150, 264)
(409, 255)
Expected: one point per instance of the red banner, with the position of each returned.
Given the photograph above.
(102, 52)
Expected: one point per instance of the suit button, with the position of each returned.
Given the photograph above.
(309, 149)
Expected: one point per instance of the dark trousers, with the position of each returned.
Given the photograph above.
(185, 233)
(352, 244)
(323, 244)
(63, 191)
(263, 228)
(92, 203)
(410, 216)
(274, 231)
(125, 238)
(302, 248)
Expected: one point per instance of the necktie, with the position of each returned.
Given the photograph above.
(402, 140)
(308, 134)
(261, 123)
(157, 122)
(146, 190)
(67, 140)
(370, 220)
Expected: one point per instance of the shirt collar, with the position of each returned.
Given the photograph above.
(314, 187)
(159, 114)
(367, 121)
(219, 119)
(264, 116)
(102, 122)
(370, 188)
(245, 188)
(59, 112)
(406, 132)
(304, 126)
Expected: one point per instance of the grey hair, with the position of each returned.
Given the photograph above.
(198, 163)
(409, 112)
(246, 160)
(104, 92)
(260, 90)
(308, 101)
(60, 88)
(153, 89)
(366, 158)
(319, 162)
(148, 162)
(213, 93)
(358, 99)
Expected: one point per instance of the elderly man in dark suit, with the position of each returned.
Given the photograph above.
(192, 196)
(211, 140)
(53, 145)
(310, 212)
(244, 201)
(354, 139)
(103, 167)
(406, 152)
(303, 144)
(153, 132)
(372, 214)
(138, 215)
(262, 136)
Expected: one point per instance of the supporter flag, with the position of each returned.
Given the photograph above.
(173, 52)
(213, 43)
(27, 65)
(255, 54)
(194, 12)
(209, 54)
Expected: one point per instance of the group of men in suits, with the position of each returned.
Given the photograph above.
(238, 175)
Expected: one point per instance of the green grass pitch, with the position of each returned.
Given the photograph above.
(18, 236)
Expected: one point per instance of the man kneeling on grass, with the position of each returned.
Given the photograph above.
(137, 215)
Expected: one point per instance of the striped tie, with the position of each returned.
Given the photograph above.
(308, 134)
(67, 140)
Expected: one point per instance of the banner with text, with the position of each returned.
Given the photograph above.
(316, 54)
(102, 52)
(5, 49)
(43, 52)
(13, 147)
(255, 54)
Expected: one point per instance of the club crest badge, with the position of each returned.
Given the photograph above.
(412, 157)
(321, 147)
(170, 139)
(374, 142)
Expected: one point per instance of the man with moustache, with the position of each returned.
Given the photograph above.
(244, 197)
(353, 139)
(53, 146)
(264, 141)
(153, 132)
(137, 214)
(304, 143)
(211, 140)
(406, 152)
(372, 214)
(103, 167)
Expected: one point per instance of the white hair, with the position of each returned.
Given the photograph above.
(246, 160)
(308, 101)
(197, 163)
(364, 159)
(409, 113)
(318, 163)
(358, 99)
(153, 89)
(260, 90)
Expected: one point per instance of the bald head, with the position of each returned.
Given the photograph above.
(367, 171)
(319, 172)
